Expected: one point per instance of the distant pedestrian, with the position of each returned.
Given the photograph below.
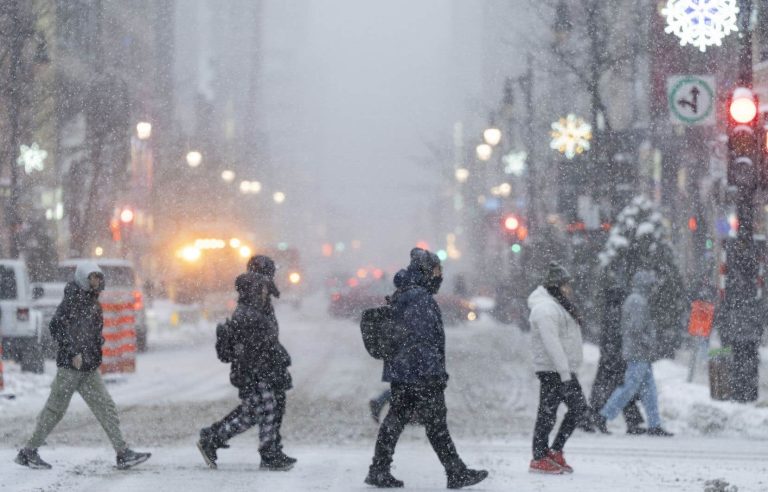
(612, 366)
(76, 327)
(557, 354)
(639, 338)
(249, 341)
(418, 376)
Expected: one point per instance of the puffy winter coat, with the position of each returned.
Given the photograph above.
(421, 357)
(556, 342)
(77, 324)
(259, 357)
(638, 329)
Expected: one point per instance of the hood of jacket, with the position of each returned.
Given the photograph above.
(643, 282)
(540, 296)
(83, 271)
(411, 277)
(250, 287)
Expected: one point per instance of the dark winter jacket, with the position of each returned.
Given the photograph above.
(78, 322)
(639, 331)
(421, 358)
(258, 355)
(610, 328)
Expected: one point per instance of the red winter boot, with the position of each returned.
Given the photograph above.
(545, 466)
(559, 458)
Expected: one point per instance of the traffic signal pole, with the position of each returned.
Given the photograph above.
(743, 310)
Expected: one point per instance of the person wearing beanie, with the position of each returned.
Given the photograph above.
(557, 354)
(417, 376)
(249, 341)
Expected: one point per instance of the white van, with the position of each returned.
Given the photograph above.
(21, 326)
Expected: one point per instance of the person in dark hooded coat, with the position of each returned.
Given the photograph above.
(76, 327)
(281, 378)
(249, 341)
(418, 376)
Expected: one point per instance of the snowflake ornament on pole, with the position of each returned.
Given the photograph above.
(701, 23)
(571, 136)
(31, 158)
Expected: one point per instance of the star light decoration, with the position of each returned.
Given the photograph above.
(514, 162)
(31, 158)
(701, 23)
(571, 136)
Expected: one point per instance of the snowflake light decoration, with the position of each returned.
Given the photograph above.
(31, 158)
(701, 23)
(514, 162)
(571, 136)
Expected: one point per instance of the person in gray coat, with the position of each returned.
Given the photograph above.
(639, 333)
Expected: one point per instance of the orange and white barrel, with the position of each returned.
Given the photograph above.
(119, 351)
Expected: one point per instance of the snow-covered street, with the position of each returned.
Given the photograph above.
(180, 386)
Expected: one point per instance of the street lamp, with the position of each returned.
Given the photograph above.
(492, 136)
(143, 130)
(228, 176)
(278, 197)
(462, 175)
(194, 158)
(250, 187)
(484, 152)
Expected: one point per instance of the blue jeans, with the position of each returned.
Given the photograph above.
(637, 380)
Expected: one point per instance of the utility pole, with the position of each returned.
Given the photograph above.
(742, 308)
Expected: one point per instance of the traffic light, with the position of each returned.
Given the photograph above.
(744, 139)
(514, 228)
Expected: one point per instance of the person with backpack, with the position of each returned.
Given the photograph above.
(281, 379)
(249, 341)
(76, 327)
(556, 345)
(415, 369)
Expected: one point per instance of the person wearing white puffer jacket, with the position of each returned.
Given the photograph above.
(556, 346)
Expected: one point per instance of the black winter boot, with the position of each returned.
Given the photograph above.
(601, 424)
(658, 432)
(30, 458)
(383, 479)
(208, 444)
(276, 461)
(465, 477)
(129, 458)
(636, 430)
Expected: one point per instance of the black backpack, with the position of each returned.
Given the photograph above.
(382, 336)
(225, 348)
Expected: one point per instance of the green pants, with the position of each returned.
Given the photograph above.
(91, 388)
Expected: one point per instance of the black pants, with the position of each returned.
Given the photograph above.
(552, 393)
(426, 404)
(610, 375)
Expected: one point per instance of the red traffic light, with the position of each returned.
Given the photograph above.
(126, 216)
(511, 223)
(743, 106)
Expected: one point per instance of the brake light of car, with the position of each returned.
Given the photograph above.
(22, 314)
(335, 297)
(138, 300)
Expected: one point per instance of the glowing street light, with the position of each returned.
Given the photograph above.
(278, 197)
(492, 136)
(194, 158)
(143, 130)
(245, 252)
(228, 176)
(462, 175)
(484, 152)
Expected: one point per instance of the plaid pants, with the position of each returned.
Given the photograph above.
(257, 408)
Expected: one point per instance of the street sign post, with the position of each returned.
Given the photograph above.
(691, 99)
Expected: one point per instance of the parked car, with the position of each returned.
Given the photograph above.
(122, 286)
(20, 325)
